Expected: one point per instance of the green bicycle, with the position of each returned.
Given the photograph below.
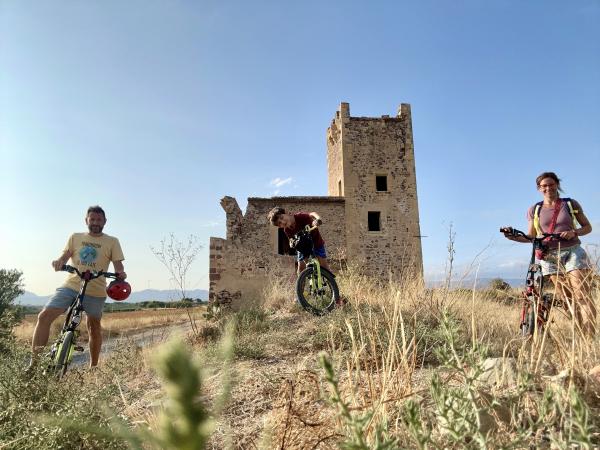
(316, 288)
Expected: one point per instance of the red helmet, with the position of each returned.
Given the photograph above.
(118, 290)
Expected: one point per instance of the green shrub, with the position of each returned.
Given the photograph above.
(26, 396)
(498, 284)
(11, 286)
(251, 327)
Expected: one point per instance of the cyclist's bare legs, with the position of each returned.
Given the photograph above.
(41, 333)
(301, 267)
(580, 283)
(95, 332)
(575, 289)
(564, 290)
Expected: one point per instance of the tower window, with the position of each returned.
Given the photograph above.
(381, 183)
(283, 244)
(374, 221)
(339, 188)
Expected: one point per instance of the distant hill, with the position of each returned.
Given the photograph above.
(29, 298)
(166, 295)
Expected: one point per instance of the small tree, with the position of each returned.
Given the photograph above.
(498, 284)
(177, 257)
(11, 286)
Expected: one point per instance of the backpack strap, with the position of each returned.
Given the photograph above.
(536, 218)
(573, 212)
(536, 215)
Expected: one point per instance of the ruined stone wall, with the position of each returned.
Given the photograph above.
(242, 264)
(335, 163)
(370, 147)
(358, 150)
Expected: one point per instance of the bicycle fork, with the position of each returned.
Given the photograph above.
(319, 279)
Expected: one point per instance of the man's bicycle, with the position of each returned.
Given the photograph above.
(537, 303)
(316, 288)
(62, 350)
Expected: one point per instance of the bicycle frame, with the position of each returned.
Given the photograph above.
(59, 356)
(316, 289)
(314, 262)
(536, 305)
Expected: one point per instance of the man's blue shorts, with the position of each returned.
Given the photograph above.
(92, 306)
(320, 252)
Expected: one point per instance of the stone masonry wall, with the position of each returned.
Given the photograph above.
(241, 265)
(335, 163)
(371, 147)
(358, 150)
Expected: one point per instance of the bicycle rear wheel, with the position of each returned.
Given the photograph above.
(311, 298)
(61, 359)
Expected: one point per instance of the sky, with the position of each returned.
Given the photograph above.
(157, 109)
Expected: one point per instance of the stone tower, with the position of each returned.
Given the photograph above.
(371, 164)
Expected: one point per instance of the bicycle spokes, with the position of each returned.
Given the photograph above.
(318, 299)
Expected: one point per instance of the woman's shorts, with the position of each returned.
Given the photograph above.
(565, 260)
(63, 298)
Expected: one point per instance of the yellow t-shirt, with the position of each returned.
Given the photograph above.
(93, 253)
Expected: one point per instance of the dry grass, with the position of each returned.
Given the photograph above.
(383, 352)
(120, 323)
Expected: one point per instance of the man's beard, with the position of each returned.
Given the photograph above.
(96, 229)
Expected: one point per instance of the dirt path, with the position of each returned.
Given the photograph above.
(146, 337)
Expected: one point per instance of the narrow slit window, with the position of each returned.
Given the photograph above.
(381, 183)
(339, 188)
(374, 221)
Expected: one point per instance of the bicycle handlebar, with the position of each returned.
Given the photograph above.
(518, 233)
(316, 224)
(91, 276)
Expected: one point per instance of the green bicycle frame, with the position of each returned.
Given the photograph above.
(315, 262)
(71, 350)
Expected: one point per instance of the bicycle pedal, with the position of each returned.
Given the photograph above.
(78, 348)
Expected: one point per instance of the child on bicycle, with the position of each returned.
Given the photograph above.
(292, 223)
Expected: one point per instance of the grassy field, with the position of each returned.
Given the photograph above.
(120, 323)
(400, 366)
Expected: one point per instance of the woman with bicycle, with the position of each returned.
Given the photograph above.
(564, 261)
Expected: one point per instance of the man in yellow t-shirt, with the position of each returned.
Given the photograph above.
(92, 251)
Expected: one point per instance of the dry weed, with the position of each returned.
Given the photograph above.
(119, 323)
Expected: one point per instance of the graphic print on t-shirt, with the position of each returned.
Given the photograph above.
(88, 253)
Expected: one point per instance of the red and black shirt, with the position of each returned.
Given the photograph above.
(301, 220)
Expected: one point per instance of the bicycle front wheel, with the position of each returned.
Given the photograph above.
(527, 321)
(61, 359)
(311, 298)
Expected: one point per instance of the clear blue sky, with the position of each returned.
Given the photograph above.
(157, 109)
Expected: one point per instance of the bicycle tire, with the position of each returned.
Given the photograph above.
(528, 327)
(62, 355)
(527, 320)
(315, 302)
